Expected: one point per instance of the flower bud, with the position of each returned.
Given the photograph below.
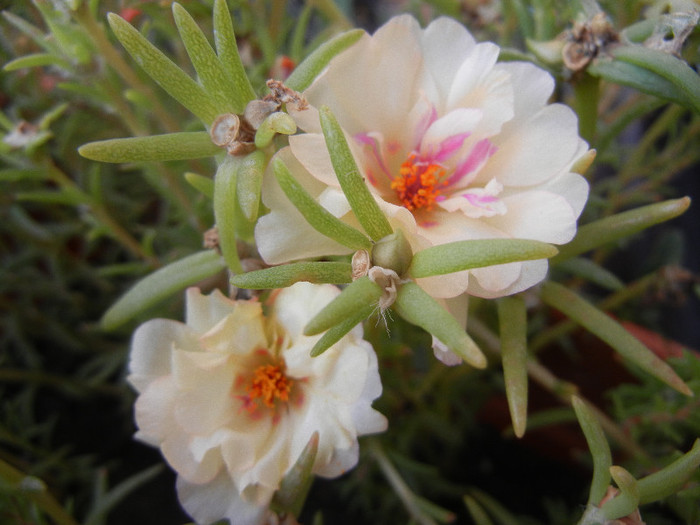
(393, 252)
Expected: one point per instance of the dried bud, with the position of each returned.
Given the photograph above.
(361, 264)
(258, 110)
(232, 133)
(388, 281)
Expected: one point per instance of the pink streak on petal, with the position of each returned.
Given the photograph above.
(479, 201)
(366, 140)
(425, 122)
(481, 151)
(449, 146)
(427, 224)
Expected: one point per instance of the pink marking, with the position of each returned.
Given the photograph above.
(428, 224)
(479, 154)
(393, 147)
(425, 122)
(366, 140)
(449, 146)
(479, 201)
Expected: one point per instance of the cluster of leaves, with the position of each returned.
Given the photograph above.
(77, 234)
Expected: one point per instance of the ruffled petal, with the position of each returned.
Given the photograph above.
(536, 150)
(151, 348)
(538, 215)
(204, 311)
(207, 503)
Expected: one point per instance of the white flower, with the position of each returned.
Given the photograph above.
(453, 145)
(232, 397)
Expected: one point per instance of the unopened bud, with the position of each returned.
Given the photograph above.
(393, 252)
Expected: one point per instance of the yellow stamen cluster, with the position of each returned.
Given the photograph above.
(269, 384)
(417, 184)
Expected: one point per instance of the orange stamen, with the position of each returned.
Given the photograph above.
(268, 384)
(417, 185)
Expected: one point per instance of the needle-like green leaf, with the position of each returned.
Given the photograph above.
(351, 181)
(618, 226)
(249, 183)
(599, 448)
(335, 333)
(419, 308)
(606, 328)
(154, 148)
(667, 66)
(305, 73)
(161, 284)
(209, 69)
(225, 204)
(671, 478)
(464, 255)
(316, 215)
(358, 295)
(164, 71)
(227, 50)
(288, 274)
(512, 320)
(627, 501)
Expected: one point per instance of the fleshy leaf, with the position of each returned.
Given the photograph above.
(277, 122)
(512, 320)
(599, 448)
(464, 255)
(36, 60)
(305, 73)
(639, 78)
(164, 71)
(360, 294)
(249, 183)
(227, 51)
(671, 478)
(161, 284)
(618, 226)
(202, 184)
(627, 501)
(288, 274)
(592, 272)
(351, 181)
(225, 210)
(210, 71)
(154, 148)
(667, 66)
(419, 308)
(606, 328)
(335, 333)
(316, 215)
(295, 485)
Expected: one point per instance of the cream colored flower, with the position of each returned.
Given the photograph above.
(453, 145)
(232, 397)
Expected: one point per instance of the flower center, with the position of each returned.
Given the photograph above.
(418, 183)
(268, 384)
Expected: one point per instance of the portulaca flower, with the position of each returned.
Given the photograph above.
(232, 397)
(453, 145)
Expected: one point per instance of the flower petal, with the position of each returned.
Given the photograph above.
(151, 347)
(535, 150)
(219, 498)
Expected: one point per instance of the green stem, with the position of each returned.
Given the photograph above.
(400, 487)
(102, 215)
(587, 93)
(43, 498)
